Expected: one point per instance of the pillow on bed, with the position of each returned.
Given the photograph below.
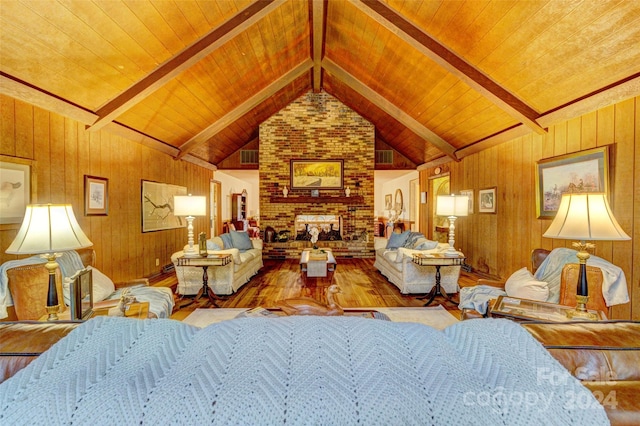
(240, 240)
(397, 240)
(523, 285)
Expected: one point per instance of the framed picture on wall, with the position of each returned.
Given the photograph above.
(468, 193)
(388, 202)
(317, 174)
(487, 200)
(157, 206)
(17, 189)
(96, 196)
(583, 171)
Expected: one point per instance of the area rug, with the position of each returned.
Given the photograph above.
(436, 316)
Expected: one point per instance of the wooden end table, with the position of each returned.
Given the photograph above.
(437, 260)
(204, 263)
(517, 309)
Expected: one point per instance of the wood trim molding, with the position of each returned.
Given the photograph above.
(395, 112)
(183, 60)
(244, 107)
(318, 28)
(615, 93)
(427, 45)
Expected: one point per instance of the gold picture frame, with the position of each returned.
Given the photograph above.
(317, 174)
(18, 183)
(582, 171)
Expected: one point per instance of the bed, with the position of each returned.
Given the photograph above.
(296, 370)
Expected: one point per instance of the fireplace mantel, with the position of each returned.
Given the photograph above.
(354, 199)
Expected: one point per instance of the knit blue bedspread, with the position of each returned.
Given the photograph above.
(296, 371)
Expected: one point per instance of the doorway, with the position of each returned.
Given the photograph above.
(438, 225)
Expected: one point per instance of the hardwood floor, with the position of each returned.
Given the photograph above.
(361, 284)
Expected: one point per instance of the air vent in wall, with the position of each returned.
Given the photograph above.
(384, 156)
(249, 156)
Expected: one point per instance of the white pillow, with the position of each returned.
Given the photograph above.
(523, 285)
(102, 285)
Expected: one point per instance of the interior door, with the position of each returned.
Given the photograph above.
(216, 208)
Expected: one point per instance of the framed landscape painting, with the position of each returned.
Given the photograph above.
(157, 206)
(317, 174)
(584, 171)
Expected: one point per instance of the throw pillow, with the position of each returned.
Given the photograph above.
(425, 244)
(211, 245)
(411, 239)
(241, 240)
(397, 240)
(226, 239)
(523, 285)
(102, 285)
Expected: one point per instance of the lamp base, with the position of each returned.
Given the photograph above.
(53, 313)
(580, 312)
(451, 252)
(191, 252)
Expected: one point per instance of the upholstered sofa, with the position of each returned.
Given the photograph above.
(396, 264)
(603, 355)
(246, 255)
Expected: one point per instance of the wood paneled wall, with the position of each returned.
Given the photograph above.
(501, 243)
(64, 152)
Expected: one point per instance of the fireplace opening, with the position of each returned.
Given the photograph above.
(329, 227)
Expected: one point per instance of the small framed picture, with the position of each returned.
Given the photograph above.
(96, 196)
(468, 193)
(487, 200)
(81, 295)
(315, 193)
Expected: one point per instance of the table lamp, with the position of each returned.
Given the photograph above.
(48, 229)
(190, 206)
(452, 206)
(585, 216)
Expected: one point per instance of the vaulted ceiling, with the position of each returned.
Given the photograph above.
(439, 79)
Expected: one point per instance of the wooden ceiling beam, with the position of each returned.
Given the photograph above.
(318, 27)
(430, 47)
(216, 127)
(617, 92)
(184, 60)
(395, 112)
(20, 90)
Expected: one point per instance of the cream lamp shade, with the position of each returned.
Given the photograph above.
(584, 217)
(46, 230)
(190, 206)
(452, 206)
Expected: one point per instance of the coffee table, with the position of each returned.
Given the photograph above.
(319, 263)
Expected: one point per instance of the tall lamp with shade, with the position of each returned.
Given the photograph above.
(190, 206)
(584, 217)
(452, 206)
(48, 230)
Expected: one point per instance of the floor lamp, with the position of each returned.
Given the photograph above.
(190, 206)
(452, 206)
(48, 230)
(584, 217)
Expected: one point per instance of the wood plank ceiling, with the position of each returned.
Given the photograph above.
(439, 79)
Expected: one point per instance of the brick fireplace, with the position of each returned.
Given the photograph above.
(317, 126)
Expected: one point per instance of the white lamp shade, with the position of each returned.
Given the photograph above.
(48, 228)
(189, 205)
(452, 205)
(585, 217)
